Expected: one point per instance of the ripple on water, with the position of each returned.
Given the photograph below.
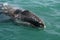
(49, 10)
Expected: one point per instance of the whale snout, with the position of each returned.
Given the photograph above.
(40, 24)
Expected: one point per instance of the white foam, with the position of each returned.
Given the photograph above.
(5, 4)
(44, 26)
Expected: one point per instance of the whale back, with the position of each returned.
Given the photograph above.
(32, 18)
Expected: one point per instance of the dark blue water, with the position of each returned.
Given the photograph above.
(48, 10)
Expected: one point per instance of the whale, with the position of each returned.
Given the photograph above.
(21, 16)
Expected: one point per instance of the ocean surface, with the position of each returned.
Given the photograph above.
(48, 10)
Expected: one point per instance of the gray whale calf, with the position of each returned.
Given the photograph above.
(20, 16)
